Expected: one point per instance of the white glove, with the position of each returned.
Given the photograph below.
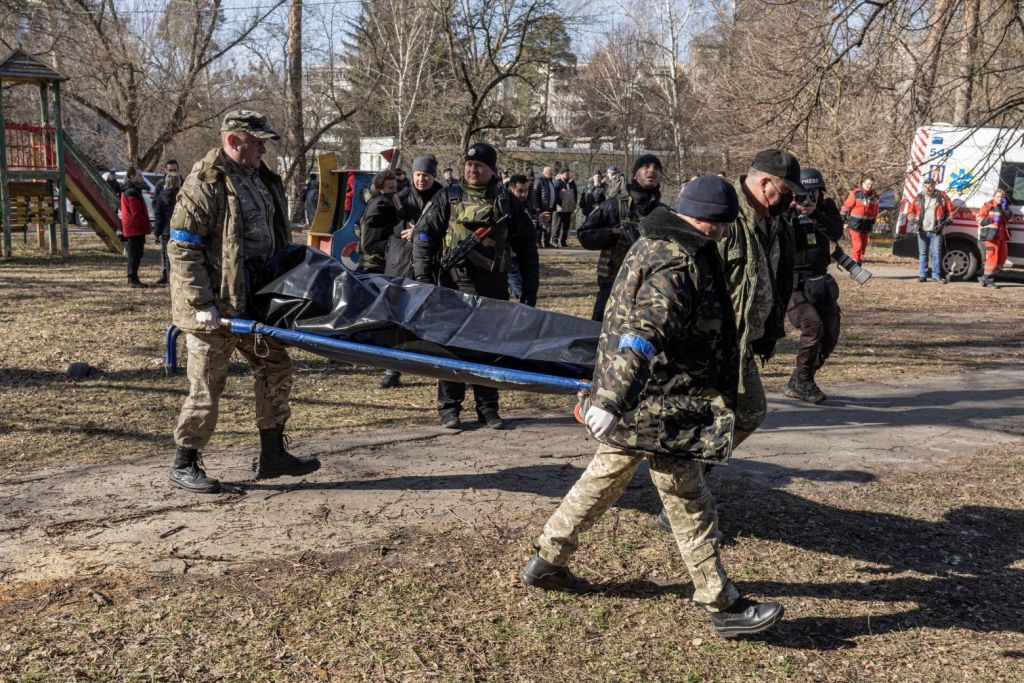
(209, 318)
(600, 421)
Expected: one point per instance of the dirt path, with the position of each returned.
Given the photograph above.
(377, 488)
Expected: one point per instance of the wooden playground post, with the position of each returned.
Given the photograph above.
(5, 195)
(62, 190)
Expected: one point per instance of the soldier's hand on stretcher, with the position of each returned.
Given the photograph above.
(600, 421)
(208, 319)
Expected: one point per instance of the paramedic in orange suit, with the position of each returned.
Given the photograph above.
(992, 218)
(859, 213)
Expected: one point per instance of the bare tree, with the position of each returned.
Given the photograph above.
(140, 70)
(491, 42)
(402, 42)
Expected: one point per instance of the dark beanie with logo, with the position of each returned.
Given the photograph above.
(709, 198)
(483, 153)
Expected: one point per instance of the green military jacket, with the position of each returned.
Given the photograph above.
(206, 250)
(668, 359)
(747, 272)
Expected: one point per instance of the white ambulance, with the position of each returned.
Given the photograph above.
(968, 164)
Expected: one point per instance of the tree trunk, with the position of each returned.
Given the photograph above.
(131, 134)
(297, 170)
(968, 50)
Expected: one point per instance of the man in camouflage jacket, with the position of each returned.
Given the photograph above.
(664, 388)
(229, 221)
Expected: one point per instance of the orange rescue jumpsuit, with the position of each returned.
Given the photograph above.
(859, 212)
(995, 250)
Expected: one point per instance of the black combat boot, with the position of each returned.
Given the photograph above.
(188, 472)
(745, 617)
(491, 419)
(804, 390)
(275, 461)
(540, 573)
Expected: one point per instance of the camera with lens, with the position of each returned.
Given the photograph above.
(860, 275)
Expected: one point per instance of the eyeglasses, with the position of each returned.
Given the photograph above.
(785, 192)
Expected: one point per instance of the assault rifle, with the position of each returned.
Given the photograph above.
(466, 249)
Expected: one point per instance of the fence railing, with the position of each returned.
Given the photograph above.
(30, 147)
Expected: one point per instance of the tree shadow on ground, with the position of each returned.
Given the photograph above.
(963, 563)
(979, 408)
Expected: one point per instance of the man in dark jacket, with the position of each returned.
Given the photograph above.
(483, 203)
(115, 187)
(594, 194)
(170, 168)
(612, 226)
(415, 199)
(311, 196)
(664, 389)
(163, 208)
(813, 306)
(566, 196)
(381, 215)
(403, 181)
(542, 203)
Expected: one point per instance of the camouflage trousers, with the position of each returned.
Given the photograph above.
(689, 505)
(751, 404)
(209, 354)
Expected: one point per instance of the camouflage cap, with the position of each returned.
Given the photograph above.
(248, 121)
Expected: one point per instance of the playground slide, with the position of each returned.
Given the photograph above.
(90, 193)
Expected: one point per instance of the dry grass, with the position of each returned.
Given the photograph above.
(60, 311)
(912, 577)
(909, 578)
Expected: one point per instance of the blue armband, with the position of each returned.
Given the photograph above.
(188, 237)
(423, 237)
(638, 344)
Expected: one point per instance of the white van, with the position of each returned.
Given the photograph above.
(969, 165)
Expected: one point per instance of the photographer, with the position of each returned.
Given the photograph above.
(813, 306)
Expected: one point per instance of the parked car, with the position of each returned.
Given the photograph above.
(149, 181)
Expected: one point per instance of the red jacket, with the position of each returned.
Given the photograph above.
(990, 210)
(860, 209)
(134, 215)
(943, 209)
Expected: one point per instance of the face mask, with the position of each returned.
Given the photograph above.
(779, 207)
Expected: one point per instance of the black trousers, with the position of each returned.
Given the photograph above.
(603, 292)
(450, 395)
(164, 239)
(134, 247)
(561, 221)
(819, 333)
(543, 234)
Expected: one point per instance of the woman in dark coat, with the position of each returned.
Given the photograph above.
(414, 199)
